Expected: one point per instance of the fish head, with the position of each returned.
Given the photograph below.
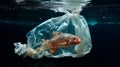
(75, 40)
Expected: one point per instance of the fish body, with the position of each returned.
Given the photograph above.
(59, 40)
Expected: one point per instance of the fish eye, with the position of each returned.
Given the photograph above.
(74, 38)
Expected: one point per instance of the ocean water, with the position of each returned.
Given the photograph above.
(103, 19)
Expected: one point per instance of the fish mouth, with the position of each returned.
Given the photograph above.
(78, 41)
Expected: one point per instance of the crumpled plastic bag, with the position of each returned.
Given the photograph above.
(73, 24)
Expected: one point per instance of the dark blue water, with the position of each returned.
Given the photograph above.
(104, 25)
(105, 51)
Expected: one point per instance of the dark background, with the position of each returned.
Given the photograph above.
(103, 17)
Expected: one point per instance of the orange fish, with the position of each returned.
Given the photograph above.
(59, 40)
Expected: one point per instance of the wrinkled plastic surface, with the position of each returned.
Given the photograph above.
(57, 5)
(69, 23)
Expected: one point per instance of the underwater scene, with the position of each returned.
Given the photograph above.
(60, 33)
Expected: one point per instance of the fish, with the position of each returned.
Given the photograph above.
(58, 40)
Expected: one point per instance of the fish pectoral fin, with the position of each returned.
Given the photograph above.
(52, 51)
(63, 43)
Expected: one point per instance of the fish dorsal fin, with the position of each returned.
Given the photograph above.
(43, 40)
(56, 33)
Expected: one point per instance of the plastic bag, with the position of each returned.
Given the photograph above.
(67, 35)
(63, 27)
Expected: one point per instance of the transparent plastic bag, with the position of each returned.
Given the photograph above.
(74, 24)
(67, 35)
(56, 5)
